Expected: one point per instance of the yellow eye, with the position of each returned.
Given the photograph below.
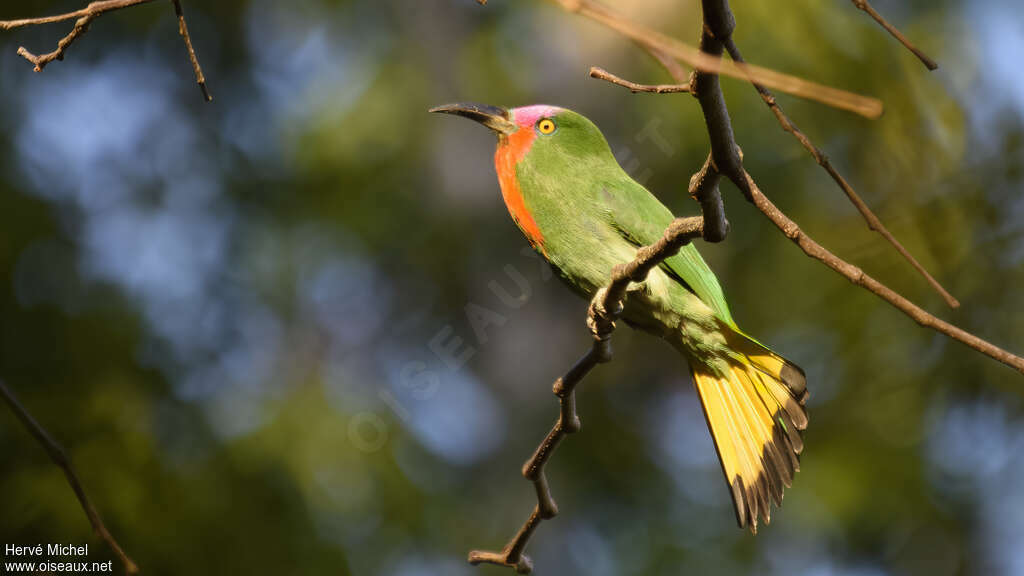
(546, 126)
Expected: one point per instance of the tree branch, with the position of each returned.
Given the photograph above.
(568, 422)
(83, 18)
(602, 74)
(183, 31)
(61, 459)
(605, 308)
(870, 10)
(858, 277)
(704, 189)
(93, 9)
(869, 216)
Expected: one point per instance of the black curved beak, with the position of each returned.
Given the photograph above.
(494, 117)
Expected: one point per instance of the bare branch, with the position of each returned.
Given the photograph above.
(602, 74)
(704, 189)
(869, 216)
(858, 277)
(605, 308)
(83, 18)
(870, 10)
(40, 62)
(61, 459)
(93, 9)
(568, 422)
(183, 31)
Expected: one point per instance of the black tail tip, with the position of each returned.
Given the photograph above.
(795, 379)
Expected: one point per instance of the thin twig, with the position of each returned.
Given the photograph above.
(695, 58)
(869, 216)
(83, 18)
(40, 62)
(858, 277)
(870, 10)
(183, 30)
(602, 74)
(93, 9)
(568, 422)
(605, 308)
(61, 459)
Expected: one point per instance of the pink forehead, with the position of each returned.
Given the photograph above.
(528, 115)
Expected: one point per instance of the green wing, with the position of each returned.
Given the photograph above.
(642, 219)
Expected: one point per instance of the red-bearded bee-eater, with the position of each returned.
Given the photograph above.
(581, 211)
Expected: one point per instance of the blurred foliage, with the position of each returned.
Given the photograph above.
(230, 313)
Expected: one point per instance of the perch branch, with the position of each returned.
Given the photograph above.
(568, 422)
(870, 11)
(61, 459)
(605, 308)
(83, 18)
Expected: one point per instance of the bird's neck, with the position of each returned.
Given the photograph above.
(512, 149)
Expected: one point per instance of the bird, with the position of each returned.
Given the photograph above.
(582, 212)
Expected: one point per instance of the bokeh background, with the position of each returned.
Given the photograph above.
(247, 321)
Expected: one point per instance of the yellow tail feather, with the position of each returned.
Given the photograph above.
(755, 411)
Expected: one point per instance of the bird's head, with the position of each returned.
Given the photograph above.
(544, 152)
(540, 128)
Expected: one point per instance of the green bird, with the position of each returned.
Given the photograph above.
(580, 210)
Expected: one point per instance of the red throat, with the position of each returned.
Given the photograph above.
(511, 150)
